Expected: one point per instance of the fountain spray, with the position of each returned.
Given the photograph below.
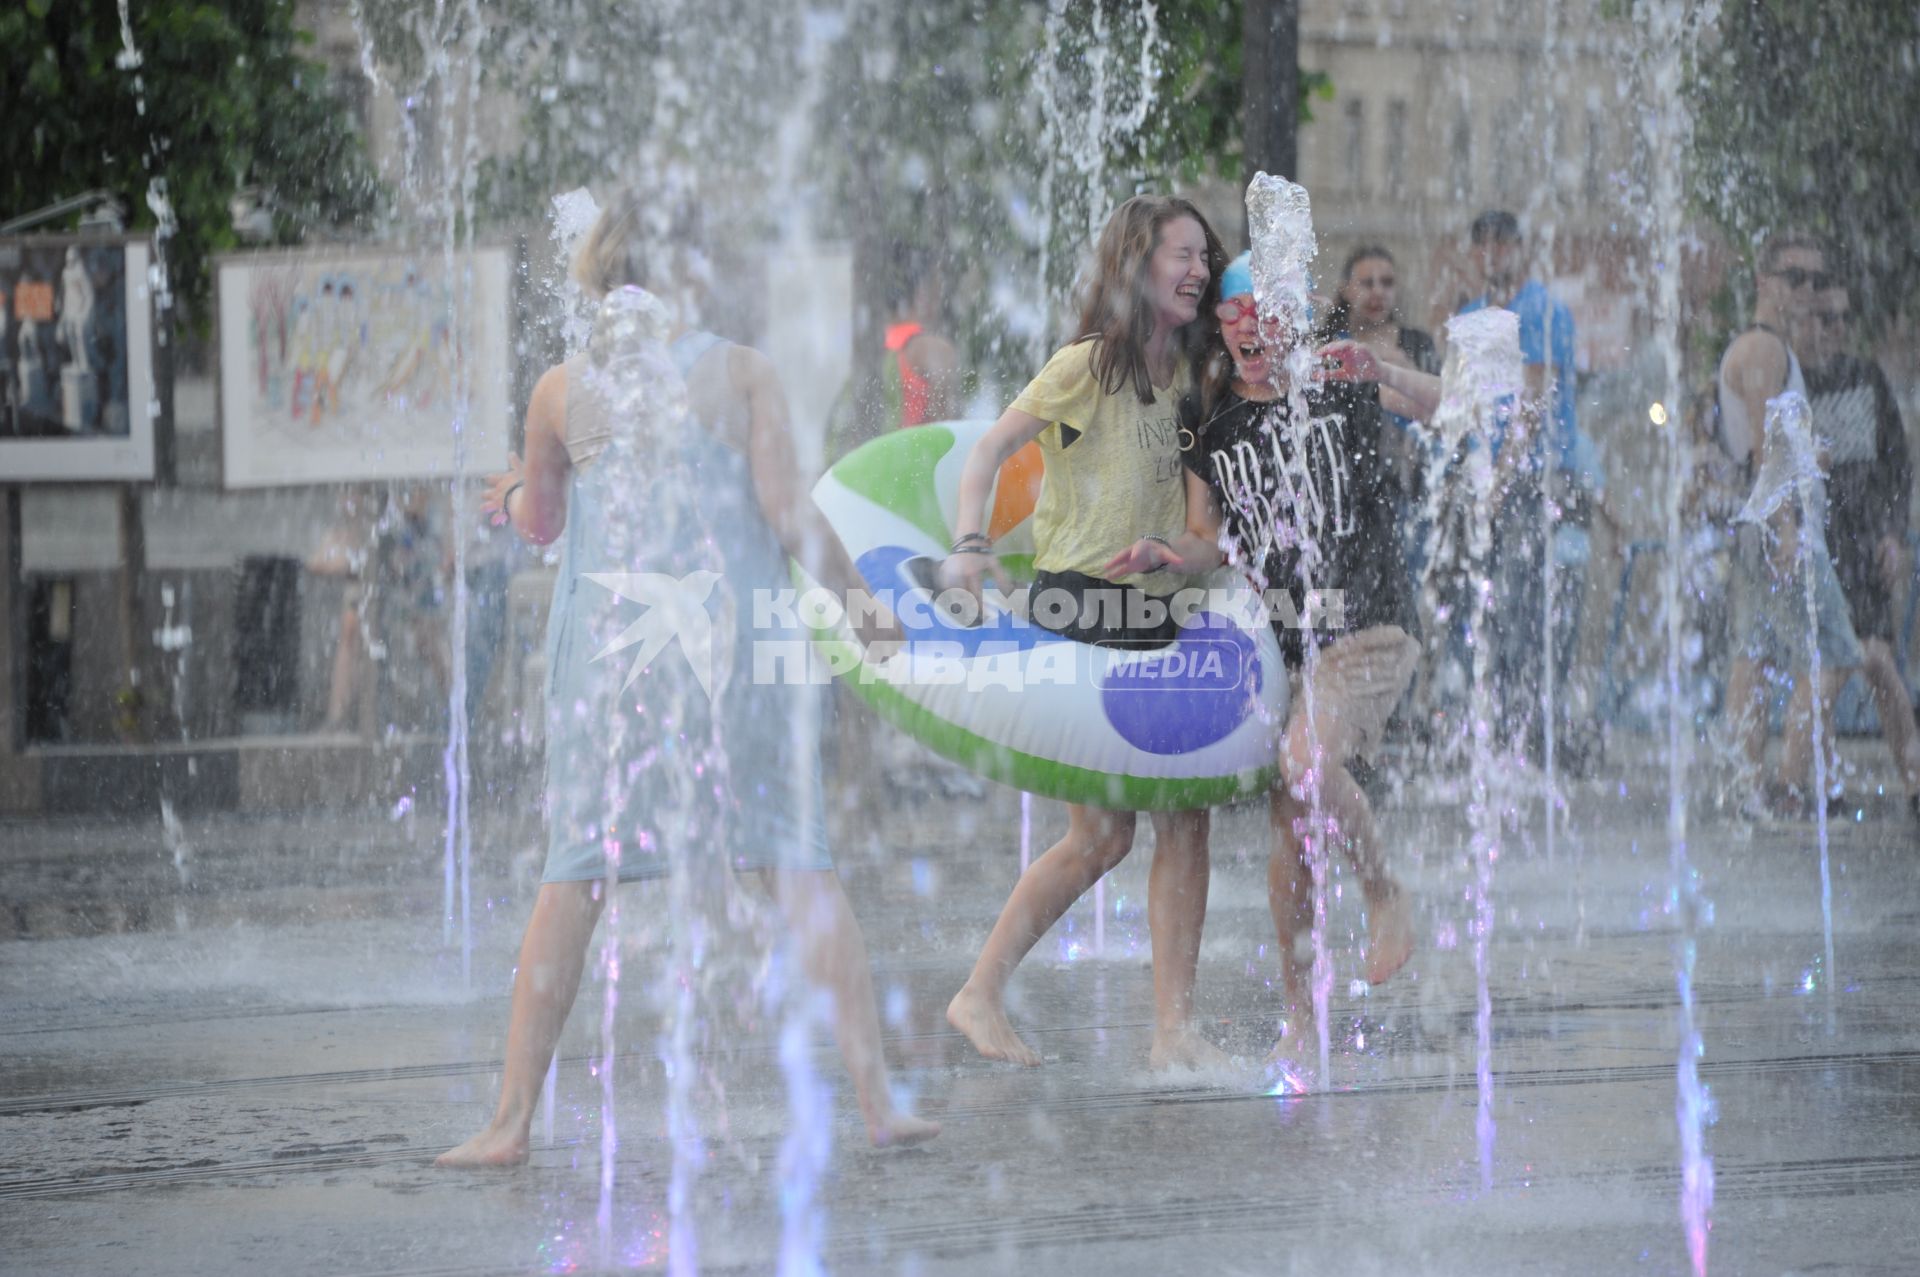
(1280, 224)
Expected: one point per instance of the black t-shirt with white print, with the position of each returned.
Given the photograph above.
(1279, 485)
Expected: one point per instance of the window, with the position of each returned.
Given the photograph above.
(1397, 148)
(1460, 156)
(1356, 146)
(1510, 127)
(1590, 177)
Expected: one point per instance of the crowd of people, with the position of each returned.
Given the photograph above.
(1175, 441)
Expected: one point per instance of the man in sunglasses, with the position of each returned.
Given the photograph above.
(1869, 485)
(1777, 550)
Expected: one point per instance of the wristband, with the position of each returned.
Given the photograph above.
(1159, 540)
(972, 538)
(971, 549)
(506, 498)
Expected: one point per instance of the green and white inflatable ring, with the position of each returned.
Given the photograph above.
(1189, 725)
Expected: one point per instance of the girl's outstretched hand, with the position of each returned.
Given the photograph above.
(1144, 555)
(1348, 360)
(495, 500)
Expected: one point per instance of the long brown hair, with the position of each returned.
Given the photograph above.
(1117, 313)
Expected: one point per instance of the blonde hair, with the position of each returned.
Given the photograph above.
(612, 256)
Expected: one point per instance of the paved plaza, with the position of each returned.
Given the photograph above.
(235, 1046)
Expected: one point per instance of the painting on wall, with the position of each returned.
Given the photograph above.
(344, 365)
(76, 359)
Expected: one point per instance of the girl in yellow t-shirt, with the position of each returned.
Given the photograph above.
(1104, 412)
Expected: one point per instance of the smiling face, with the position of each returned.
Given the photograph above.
(1178, 272)
(1368, 292)
(1254, 363)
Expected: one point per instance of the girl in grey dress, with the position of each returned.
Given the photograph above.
(658, 752)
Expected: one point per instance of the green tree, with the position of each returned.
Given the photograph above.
(223, 97)
(1804, 117)
(989, 136)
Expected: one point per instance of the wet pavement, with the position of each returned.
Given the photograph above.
(235, 1047)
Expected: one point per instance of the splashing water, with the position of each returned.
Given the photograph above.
(1088, 112)
(1790, 473)
(1482, 378)
(1280, 224)
(1672, 27)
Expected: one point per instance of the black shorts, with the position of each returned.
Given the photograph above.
(1087, 609)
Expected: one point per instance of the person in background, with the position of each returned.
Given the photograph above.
(1551, 463)
(923, 377)
(919, 373)
(1870, 487)
(1369, 341)
(1769, 587)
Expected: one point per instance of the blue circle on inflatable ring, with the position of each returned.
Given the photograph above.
(1177, 699)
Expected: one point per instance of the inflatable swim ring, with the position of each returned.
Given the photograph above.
(1188, 725)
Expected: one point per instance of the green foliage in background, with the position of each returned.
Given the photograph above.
(231, 101)
(1804, 116)
(935, 136)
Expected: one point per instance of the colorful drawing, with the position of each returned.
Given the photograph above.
(362, 365)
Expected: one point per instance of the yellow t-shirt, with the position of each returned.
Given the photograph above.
(1113, 469)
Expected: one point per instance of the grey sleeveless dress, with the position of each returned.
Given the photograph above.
(643, 763)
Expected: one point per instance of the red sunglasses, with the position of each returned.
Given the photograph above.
(1231, 309)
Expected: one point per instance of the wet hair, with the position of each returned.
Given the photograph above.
(612, 256)
(1339, 313)
(615, 252)
(1784, 241)
(1495, 226)
(1117, 312)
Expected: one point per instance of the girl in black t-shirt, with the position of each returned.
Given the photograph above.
(1265, 492)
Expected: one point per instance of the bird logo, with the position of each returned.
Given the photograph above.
(676, 608)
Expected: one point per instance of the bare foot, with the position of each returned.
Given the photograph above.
(984, 1023)
(495, 1146)
(1185, 1048)
(901, 1130)
(1389, 936)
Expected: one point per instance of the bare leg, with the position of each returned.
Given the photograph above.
(1095, 842)
(552, 956)
(1344, 803)
(1290, 898)
(1389, 925)
(1896, 711)
(1796, 745)
(1176, 916)
(1747, 717)
(833, 954)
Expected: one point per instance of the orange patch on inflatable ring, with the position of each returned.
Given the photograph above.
(1017, 491)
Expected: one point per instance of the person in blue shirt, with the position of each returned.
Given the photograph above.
(1554, 459)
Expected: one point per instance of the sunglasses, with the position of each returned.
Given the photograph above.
(1796, 277)
(1231, 309)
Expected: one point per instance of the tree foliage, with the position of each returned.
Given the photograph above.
(991, 136)
(1804, 117)
(223, 97)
